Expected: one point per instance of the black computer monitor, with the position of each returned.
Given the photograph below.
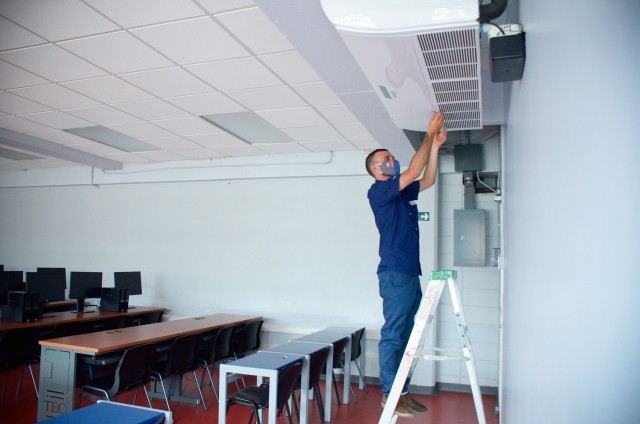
(48, 290)
(130, 280)
(84, 285)
(57, 274)
(15, 280)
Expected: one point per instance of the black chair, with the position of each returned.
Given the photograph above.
(257, 397)
(132, 372)
(68, 329)
(152, 317)
(214, 349)
(181, 358)
(338, 351)
(17, 350)
(317, 363)
(356, 351)
(116, 323)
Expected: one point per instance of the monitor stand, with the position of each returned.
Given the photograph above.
(80, 307)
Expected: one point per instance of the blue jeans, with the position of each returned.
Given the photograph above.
(401, 295)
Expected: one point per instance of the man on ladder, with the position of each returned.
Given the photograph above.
(393, 198)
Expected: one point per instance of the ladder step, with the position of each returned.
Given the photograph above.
(443, 274)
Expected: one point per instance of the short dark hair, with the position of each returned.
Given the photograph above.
(369, 160)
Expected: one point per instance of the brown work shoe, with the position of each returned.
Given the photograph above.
(402, 409)
(415, 406)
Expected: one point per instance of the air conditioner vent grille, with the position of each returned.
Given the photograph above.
(452, 70)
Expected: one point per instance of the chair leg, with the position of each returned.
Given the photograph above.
(286, 406)
(295, 407)
(33, 379)
(319, 402)
(135, 396)
(335, 388)
(213, 386)
(355, 399)
(19, 381)
(204, 405)
(364, 383)
(146, 393)
(166, 398)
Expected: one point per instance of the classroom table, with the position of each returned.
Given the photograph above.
(261, 364)
(306, 349)
(112, 412)
(59, 356)
(329, 339)
(350, 331)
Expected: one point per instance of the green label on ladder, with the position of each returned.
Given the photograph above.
(443, 274)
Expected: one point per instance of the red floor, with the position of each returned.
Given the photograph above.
(444, 407)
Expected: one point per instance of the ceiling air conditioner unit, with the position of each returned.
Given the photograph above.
(419, 56)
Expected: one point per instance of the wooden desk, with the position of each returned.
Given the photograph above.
(66, 317)
(59, 356)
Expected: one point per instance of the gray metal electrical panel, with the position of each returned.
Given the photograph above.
(469, 237)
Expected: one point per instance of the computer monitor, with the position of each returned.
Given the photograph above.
(15, 280)
(130, 280)
(48, 290)
(84, 285)
(57, 274)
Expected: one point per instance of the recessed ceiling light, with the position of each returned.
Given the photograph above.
(249, 127)
(113, 138)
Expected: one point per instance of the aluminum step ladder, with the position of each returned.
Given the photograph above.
(415, 351)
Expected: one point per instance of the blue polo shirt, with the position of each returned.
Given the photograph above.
(396, 215)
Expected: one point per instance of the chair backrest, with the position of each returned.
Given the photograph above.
(183, 355)
(68, 329)
(317, 363)
(116, 322)
(237, 339)
(356, 344)
(16, 347)
(152, 317)
(133, 369)
(338, 350)
(222, 346)
(286, 382)
(251, 336)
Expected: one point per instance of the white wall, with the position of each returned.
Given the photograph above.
(571, 336)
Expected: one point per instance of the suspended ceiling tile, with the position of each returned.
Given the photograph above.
(306, 134)
(17, 105)
(108, 89)
(13, 77)
(95, 148)
(292, 118)
(52, 62)
(168, 82)
(215, 6)
(328, 146)
(317, 93)
(56, 20)
(282, 148)
(103, 115)
(58, 120)
(173, 143)
(240, 151)
(62, 137)
(255, 30)
(264, 98)
(198, 153)
(338, 115)
(55, 96)
(187, 126)
(235, 74)
(130, 158)
(291, 67)
(131, 14)
(353, 131)
(142, 130)
(53, 163)
(192, 41)
(216, 141)
(152, 110)
(13, 36)
(117, 53)
(18, 124)
(159, 156)
(366, 144)
(206, 104)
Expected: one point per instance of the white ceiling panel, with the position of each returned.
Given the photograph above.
(117, 53)
(306, 134)
(173, 143)
(277, 97)
(291, 67)
(142, 130)
(58, 120)
(354, 131)
(199, 153)
(255, 30)
(192, 41)
(55, 96)
(215, 6)
(62, 137)
(317, 93)
(128, 158)
(235, 74)
(366, 144)
(338, 114)
(18, 124)
(207, 104)
(17, 105)
(13, 36)
(168, 82)
(293, 118)
(13, 77)
(216, 141)
(188, 126)
(327, 146)
(282, 148)
(103, 115)
(95, 148)
(129, 14)
(109, 89)
(52, 62)
(240, 151)
(152, 110)
(160, 156)
(56, 20)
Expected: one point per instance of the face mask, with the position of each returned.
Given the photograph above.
(389, 170)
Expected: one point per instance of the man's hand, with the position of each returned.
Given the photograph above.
(440, 137)
(435, 123)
